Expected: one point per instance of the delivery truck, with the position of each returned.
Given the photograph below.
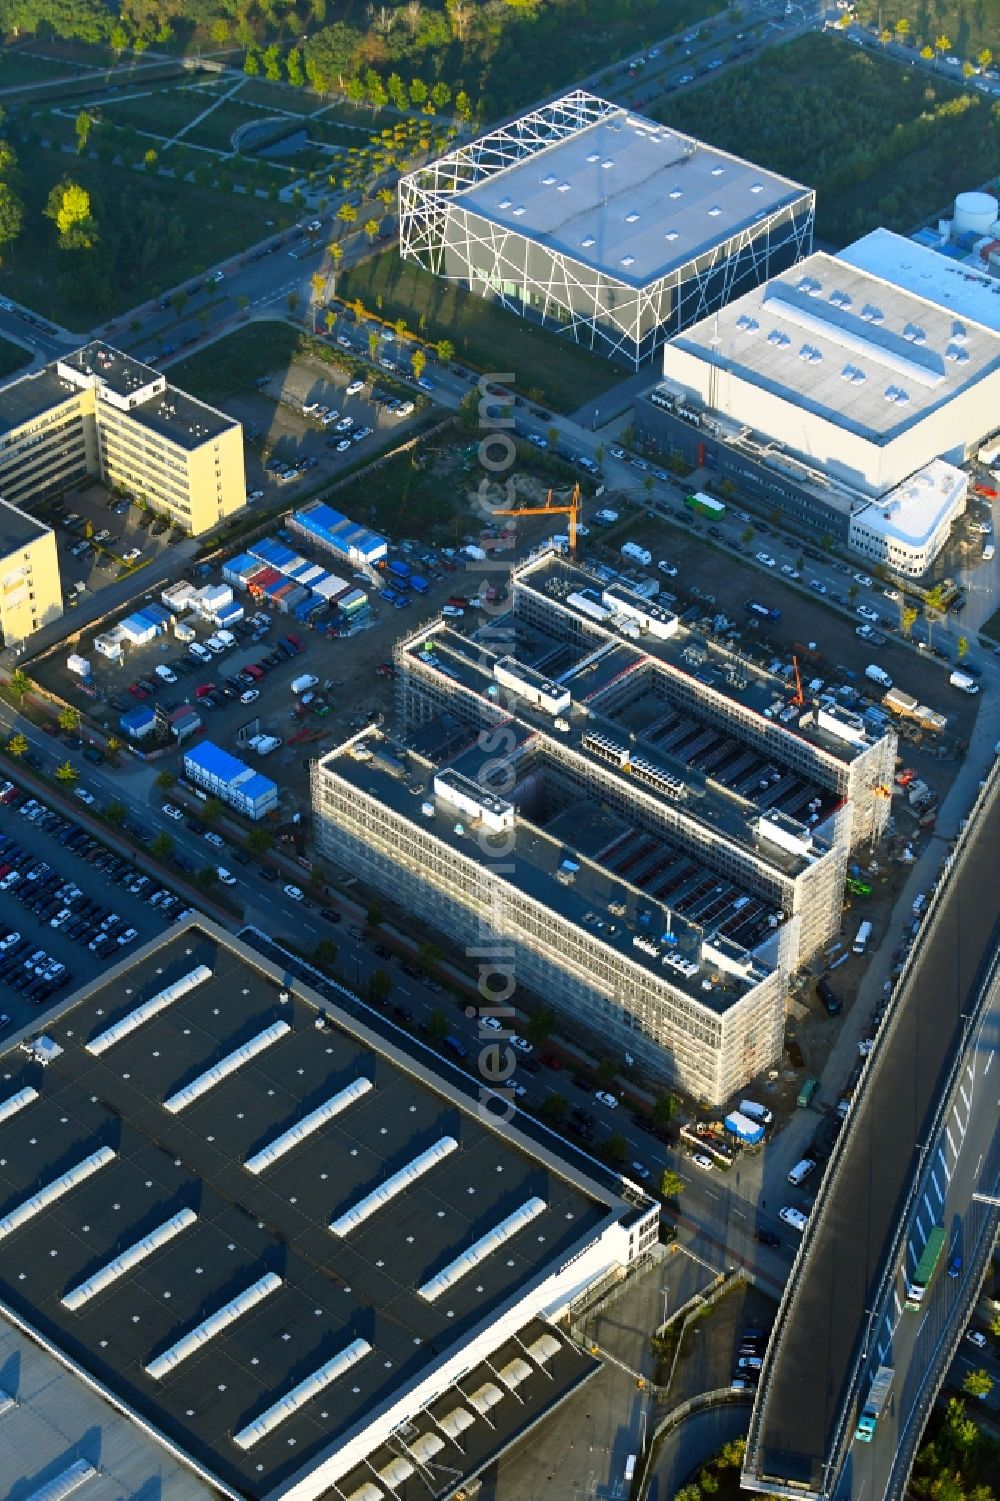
(878, 1398)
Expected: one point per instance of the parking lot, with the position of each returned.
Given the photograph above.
(68, 906)
(291, 421)
(99, 534)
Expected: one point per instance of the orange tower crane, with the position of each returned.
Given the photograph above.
(571, 509)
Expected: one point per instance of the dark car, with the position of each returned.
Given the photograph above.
(766, 1238)
(831, 1000)
(955, 1266)
(330, 914)
(381, 950)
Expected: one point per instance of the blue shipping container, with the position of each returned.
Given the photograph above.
(419, 585)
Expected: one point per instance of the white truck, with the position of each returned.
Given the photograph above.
(963, 680)
(637, 554)
(606, 517)
(304, 683)
(876, 674)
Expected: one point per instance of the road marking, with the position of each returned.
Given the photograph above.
(920, 1228)
(937, 1186)
(958, 1123)
(944, 1165)
(897, 1300)
(965, 1098)
(930, 1207)
(951, 1142)
(881, 1354)
(980, 1162)
(989, 1061)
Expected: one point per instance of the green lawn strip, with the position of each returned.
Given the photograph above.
(152, 234)
(484, 335)
(18, 67)
(282, 98)
(238, 361)
(12, 357)
(162, 112)
(882, 143)
(217, 128)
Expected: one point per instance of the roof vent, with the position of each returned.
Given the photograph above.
(632, 218)
(714, 211)
(628, 260)
(747, 324)
(757, 187)
(548, 181)
(594, 156)
(519, 211)
(564, 187)
(504, 203)
(607, 162)
(670, 235)
(590, 240)
(778, 338)
(675, 192)
(718, 171)
(840, 299)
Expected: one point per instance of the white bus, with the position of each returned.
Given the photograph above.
(863, 935)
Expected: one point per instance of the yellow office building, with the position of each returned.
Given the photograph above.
(30, 594)
(101, 414)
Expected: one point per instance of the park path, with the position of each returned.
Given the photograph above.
(222, 99)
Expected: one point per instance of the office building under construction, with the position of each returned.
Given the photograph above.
(654, 830)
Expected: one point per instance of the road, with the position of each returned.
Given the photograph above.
(695, 1439)
(849, 1251)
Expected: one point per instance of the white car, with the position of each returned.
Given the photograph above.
(663, 567)
(452, 612)
(9, 942)
(344, 341)
(765, 558)
(215, 840)
(795, 1218)
(890, 593)
(294, 892)
(863, 580)
(132, 554)
(172, 811)
(84, 796)
(538, 440)
(225, 876)
(250, 697)
(255, 495)
(354, 387)
(344, 446)
(790, 572)
(329, 418)
(704, 1162)
(639, 1170)
(197, 650)
(521, 1045)
(492, 1022)
(817, 586)
(977, 1338)
(603, 1098)
(867, 613)
(165, 675)
(309, 406)
(615, 452)
(345, 424)
(123, 938)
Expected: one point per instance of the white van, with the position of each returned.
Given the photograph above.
(801, 1171)
(863, 935)
(989, 552)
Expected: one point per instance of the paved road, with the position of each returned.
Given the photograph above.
(810, 1367)
(693, 1441)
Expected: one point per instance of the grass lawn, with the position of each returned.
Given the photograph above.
(405, 498)
(17, 67)
(968, 27)
(152, 233)
(880, 142)
(485, 336)
(238, 361)
(280, 97)
(217, 128)
(12, 357)
(161, 112)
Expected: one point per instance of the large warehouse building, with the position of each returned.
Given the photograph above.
(840, 396)
(603, 225)
(294, 1248)
(649, 825)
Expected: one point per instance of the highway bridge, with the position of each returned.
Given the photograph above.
(922, 1126)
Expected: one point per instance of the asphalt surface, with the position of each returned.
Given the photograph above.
(809, 1367)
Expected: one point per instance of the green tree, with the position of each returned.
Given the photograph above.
(985, 57)
(272, 63)
(616, 1149)
(208, 877)
(371, 230)
(437, 1024)
(707, 1482)
(663, 1110)
(259, 841)
(20, 684)
(962, 646)
(926, 52)
(374, 917)
(165, 779)
(68, 206)
(115, 812)
(69, 719)
(418, 91)
(17, 745)
(151, 161)
(555, 1109)
(440, 94)
(295, 68)
(212, 810)
(671, 1184)
(445, 350)
(325, 953)
(82, 127)
(978, 1383)
(400, 328)
(907, 616)
(418, 361)
(747, 535)
(942, 44)
(347, 213)
(902, 28)
(162, 846)
(379, 986)
(67, 772)
(730, 1456)
(372, 344)
(463, 106)
(995, 1326)
(251, 63)
(605, 1073)
(540, 1026)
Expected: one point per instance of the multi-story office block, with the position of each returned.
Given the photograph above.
(29, 575)
(649, 828)
(102, 414)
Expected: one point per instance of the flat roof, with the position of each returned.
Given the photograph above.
(119, 372)
(31, 396)
(561, 867)
(232, 1126)
(837, 341)
(959, 287)
(912, 511)
(183, 419)
(630, 197)
(17, 529)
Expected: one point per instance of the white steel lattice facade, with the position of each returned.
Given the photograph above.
(605, 226)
